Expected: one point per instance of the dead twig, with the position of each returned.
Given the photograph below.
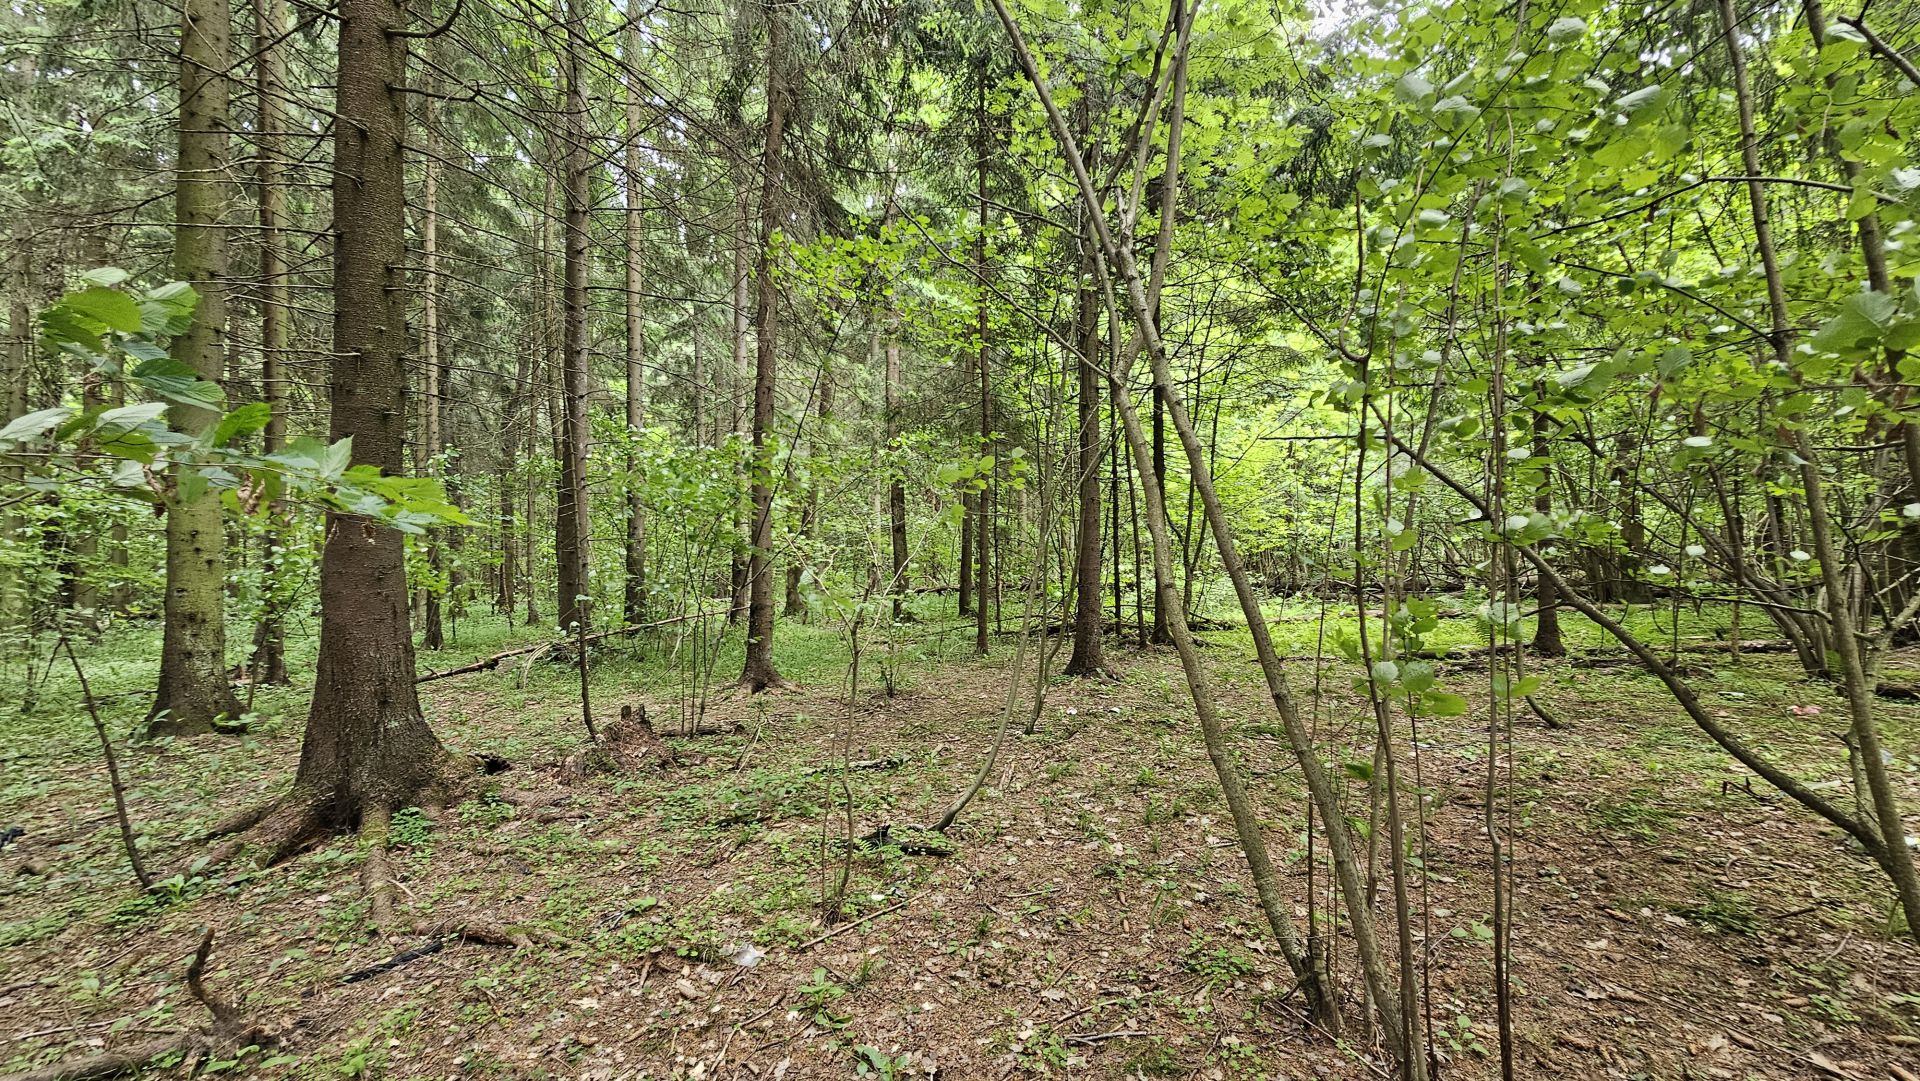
(845, 927)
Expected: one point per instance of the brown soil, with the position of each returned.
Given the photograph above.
(1095, 919)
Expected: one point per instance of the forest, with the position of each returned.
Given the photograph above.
(898, 539)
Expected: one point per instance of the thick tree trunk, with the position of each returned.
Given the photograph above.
(367, 748)
(634, 596)
(570, 532)
(269, 663)
(758, 672)
(194, 688)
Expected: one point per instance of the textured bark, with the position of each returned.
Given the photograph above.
(570, 533)
(367, 746)
(985, 582)
(1088, 656)
(758, 672)
(634, 595)
(269, 662)
(432, 631)
(194, 689)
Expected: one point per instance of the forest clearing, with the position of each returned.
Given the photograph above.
(800, 539)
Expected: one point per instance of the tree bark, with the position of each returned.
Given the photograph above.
(742, 325)
(432, 630)
(194, 688)
(269, 663)
(1547, 640)
(984, 593)
(1088, 656)
(570, 527)
(758, 672)
(634, 606)
(367, 748)
(896, 484)
(14, 398)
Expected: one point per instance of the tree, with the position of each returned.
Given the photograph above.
(571, 524)
(367, 750)
(1088, 658)
(269, 663)
(194, 690)
(758, 672)
(634, 593)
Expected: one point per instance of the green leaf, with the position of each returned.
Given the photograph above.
(1443, 704)
(177, 382)
(105, 277)
(1566, 29)
(109, 307)
(1862, 320)
(245, 420)
(34, 425)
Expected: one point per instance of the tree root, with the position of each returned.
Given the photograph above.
(229, 1032)
(376, 832)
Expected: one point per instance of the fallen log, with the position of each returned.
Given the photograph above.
(487, 664)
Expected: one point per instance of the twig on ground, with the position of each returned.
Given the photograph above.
(845, 927)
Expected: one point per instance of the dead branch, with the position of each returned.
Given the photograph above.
(487, 664)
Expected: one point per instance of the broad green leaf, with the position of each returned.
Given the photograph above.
(109, 307)
(34, 425)
(245, 420)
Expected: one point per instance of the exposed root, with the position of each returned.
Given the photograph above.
(376, 832)
(278, 830)
(1547, 716)
(425, 949)
(240, 822)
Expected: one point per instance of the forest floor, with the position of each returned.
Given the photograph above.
(1094, 918)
